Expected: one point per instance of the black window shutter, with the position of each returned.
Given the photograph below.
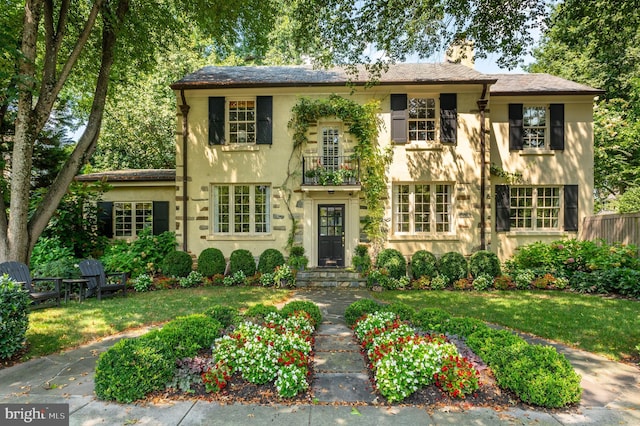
(503, 210)
(160, 217)
(448, 118)
(264, 124)
(105, 219)
(571, 208)
(556, 113)
(515, 127)
(216, 120)
(399, 118)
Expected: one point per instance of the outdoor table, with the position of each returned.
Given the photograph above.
(69, 283)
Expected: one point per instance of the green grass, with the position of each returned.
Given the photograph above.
(605, 326)
(72, 324)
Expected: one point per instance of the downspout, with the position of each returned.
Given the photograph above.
(184, 109)
(482, 105)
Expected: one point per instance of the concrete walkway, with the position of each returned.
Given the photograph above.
(611, 390)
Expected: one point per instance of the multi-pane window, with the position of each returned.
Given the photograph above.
(242, 121)
(241, 209)
(535, 207)
(422, 119)
(422, 208)
(132, 217)
(534, 121)
(330, 147)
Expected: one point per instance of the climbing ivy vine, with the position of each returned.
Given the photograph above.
(363, 124)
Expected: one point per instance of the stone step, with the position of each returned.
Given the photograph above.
(330, 278)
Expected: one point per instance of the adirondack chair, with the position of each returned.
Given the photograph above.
(101, 283)
(19, 272)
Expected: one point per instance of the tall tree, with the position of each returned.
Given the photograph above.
(73, 50)
(598, 43)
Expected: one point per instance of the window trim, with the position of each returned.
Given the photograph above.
(147, 220)
(433, 224)
(534, 209)
(252, 210)
(227, 121)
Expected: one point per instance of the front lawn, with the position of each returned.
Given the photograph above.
(602, 325)
(72, 324)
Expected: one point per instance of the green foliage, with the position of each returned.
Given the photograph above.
(296, 251)
(225, 315)
(629, 202)
(484, 262)
(50, 258)
(392, 261)
(359, 308)
(523, 278)
(361, 259)
(461, 326)
(142, 255)
(194, 279)
(14, 303)
(439, 282)
(402, 310)
(132, 368)
(488, 343)
(452, 266)
(269, 260)
(177, 264)
(423, 264)
(303, 305)
(242, 260)
(538, 375)
(284, 277)
(188, 334)
(142, 282)
(259, 311)
(429, 319)
(211, 262)
(297, 260)
(483, 282)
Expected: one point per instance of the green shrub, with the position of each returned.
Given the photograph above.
(51, 259)
(538, 375)
(225, 315)
(423, 264)
(296, 251)
(453, 266)
(361, 259)
(14, 316)
(259, 311)
(482, 282)
(402, 310)
(142, 282)
(177, 264)
(145, 254)
(303, 305)
(359, 308)
(242, 260)
(439, 282)
(191, 333)
(211, 262)
(523, 279)
(488, 343)
(393, 261)
(269, 260)
(132, 368)
(484, 262)
(629, 201)
(429, 319)
(194, 279)
(461, 326)
(503, 282)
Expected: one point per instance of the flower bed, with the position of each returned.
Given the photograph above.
(403, 361)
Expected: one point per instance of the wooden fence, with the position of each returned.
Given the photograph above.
(613, 228)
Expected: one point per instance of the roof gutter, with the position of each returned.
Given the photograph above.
(184, 109)
(482, 105)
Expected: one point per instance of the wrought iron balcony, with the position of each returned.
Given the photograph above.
(330, 171)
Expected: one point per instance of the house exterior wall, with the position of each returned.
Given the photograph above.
(457, 165)
(571, 166)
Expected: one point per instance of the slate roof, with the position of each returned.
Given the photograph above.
(538, 84)
(304, 75)
(130, 175)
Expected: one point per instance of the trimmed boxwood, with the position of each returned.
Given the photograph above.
(211, 262)
(226, 315)
(360, 308)
(484, 262)
(177, 264)
(259, 311)
(188, 334)
(423, 264)
(402, 310)
(303, 305)
(242, 260)
(269, 260)
(453, 266)
(393, 261)
(431, 318)
(14, 303)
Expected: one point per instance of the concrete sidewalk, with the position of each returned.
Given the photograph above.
(611, 393)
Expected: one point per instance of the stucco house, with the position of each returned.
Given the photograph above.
(477, 160)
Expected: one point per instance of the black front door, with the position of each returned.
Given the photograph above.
(331, 235)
